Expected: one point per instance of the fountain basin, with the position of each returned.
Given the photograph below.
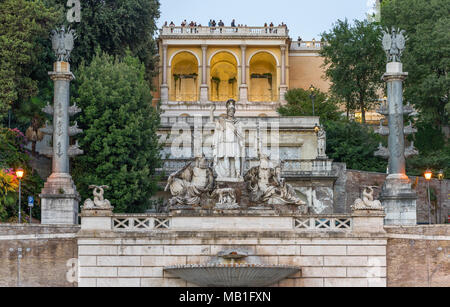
(232, 275)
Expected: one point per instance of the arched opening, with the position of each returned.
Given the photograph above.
(263, 78)
(184, 77)
(224, 75)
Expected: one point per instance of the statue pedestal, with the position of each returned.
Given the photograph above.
(399, 201)
(96, 219)
(368, 221)
(59, 201)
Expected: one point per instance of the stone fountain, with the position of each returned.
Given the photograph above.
(223, 185)
(230, 269)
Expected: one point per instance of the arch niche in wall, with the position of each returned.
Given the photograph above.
(184, 74)
(223, 77)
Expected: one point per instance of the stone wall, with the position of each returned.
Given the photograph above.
(139, 261)
(45, 264)
(418, 256)
(127, 250)
(356, 180)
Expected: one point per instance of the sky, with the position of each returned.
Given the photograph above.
(304, 18)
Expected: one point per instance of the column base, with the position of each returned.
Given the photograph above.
(399, 201)
(243, 93)
(283, 91)
(59, 201)
(204, 93)
(164, 93)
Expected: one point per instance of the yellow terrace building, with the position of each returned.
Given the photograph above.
(202, 67)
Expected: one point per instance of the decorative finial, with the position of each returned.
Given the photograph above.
(62, 43)
(394, 44)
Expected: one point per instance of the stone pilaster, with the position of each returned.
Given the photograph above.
(164, 86)
(397, 196)
(204, 86)
(283, 86)
(243, 87)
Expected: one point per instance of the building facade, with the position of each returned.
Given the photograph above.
(201, 67)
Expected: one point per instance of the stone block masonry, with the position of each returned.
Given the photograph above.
(326, 259)
(48, 261)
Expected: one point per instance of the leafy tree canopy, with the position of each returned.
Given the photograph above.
(427, 54)
(120, 143)
(300, 104)
(355, 145)
(23, 24)
(354, 63)
(115, 26)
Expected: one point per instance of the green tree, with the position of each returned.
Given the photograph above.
(115, 26)
(120, 143)
(355, 145)
(299, 103)
(13, 155)
(23, 24)
(427, 54)
(354, 62)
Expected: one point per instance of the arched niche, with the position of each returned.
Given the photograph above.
(223, 77)
(184, 74)
(263, 78)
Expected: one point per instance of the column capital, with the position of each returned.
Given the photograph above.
(204, 46)
(283, 47)
(243, 47)
(61, 76)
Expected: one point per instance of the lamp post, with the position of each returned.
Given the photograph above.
(441, 177)
(428, 176)
(19, 173)
(313, 98)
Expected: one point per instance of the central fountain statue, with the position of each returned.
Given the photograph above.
(229, 147)
(221, 185)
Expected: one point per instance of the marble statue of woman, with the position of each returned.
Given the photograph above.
(228, 147)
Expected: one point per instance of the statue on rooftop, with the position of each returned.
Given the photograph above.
(229, 147)
(322, 143)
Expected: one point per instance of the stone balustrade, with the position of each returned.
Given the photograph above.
(306, 45)
(246, 221)
(289, 167)
(281, 31)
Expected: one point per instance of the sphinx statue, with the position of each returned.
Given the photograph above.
(267, 187)
(188, 185)
(368, 202)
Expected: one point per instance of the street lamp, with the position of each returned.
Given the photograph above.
(428, 175)
(313, 98)
(19, 173)
(441, 178)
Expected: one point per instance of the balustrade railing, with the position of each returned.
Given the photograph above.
(160, 222)
(306, 167)
(323, 223)
(225, 31)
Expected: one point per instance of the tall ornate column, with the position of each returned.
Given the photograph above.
(397, 195)
(204, 86)
(243, 88)
(283, 85)
(59, 197)
(164, 85)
